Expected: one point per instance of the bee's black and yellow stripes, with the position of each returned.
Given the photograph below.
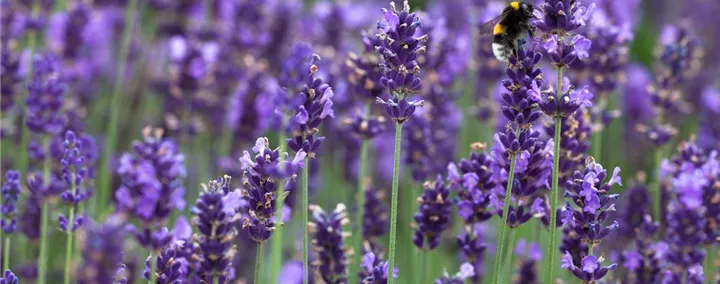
(499, 29)
(515, 5)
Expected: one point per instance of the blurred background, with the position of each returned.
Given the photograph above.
(209, 73)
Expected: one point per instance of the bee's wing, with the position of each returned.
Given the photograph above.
(487, 27)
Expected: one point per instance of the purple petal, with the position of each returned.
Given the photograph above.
(615, 179)
(589, 264)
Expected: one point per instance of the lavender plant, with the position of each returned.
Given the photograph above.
(558, 19)
(399, 48)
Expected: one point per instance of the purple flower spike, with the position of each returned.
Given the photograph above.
(45, 97)
(168, 269)
(311, 106)
(585, 224)
(263, 172)
(562, 16)
(11, 193)
(8, 278)
(374, 270)
(329, 242)
(216, 219)
(433, 216)
(400, 48)
(529, 255)
(151, 184)
(74, 169)
(102, 251)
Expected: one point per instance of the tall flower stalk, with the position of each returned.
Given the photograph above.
(557, 19)
(11, 189)
(44, 117)
(311, 106)
(264, 173)
(399, 48)
(105, 177)
(519, 138)
(74, 172)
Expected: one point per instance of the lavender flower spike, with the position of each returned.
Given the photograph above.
(263, 172)
(315, 104)
(215, 220)
(102, 251)
(374, 270)
(9, 278)
(399, 48)
(329, 243)
(589, 191)
(11, 192)
(168, 270)
(45, 97)
(562, 16)
(433, 216)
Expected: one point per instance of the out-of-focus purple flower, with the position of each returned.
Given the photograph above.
(168, 270)
(562, 16)
(366, 126)
(693, 175)
(472, 244)
(31, 217)
(374, 270)
(530, 255)
(216, 218)
(488, 69)
(10, 192)
(709, 133)
(635, 206)
(399, 47)
(263, 173)
(45, 97)
(375, 217)
(151, 183)
(643, 263)
(102, 250)
(466, 271)
(311, 107)
(8, 278)
(291, 273)
(10, 76)
(364, 70)
(433, 216)
(329, 242)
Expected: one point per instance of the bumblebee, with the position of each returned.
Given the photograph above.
(508, 27)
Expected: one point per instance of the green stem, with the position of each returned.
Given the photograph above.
(509, 255)
(503, 227)
(276, 247)
(21, 162)
(360, 207)
(304, 210)
(551, 250)
(6, 253)
(591, 247)
(656, 190)
(153, 268)
(258, 262)
(423, 265)
(42, 266)
(216, 279)
(394, 203)
(105, 177)
(69, 245)
(597, 145)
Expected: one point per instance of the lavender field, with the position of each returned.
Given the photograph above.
(301, 141)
